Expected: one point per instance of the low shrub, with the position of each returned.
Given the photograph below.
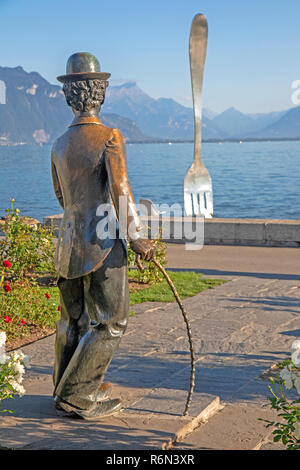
(26, 306)
(151, 273)
(27, 245)
(287, 429)
(12, 369)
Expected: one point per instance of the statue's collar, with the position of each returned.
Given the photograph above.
(81, 120)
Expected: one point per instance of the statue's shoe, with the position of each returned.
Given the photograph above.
(101, 409)
(103, 393)
(97, 411)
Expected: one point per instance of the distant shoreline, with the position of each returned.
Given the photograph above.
(170, 141)
(215, 141)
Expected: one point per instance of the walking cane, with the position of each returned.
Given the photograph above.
(188, 326)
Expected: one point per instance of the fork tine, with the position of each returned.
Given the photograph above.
(202, 203)
(195, 203)
(209, 202)
(188, 204)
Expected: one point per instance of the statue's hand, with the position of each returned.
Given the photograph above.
(143, 247)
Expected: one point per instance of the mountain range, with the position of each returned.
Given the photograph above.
(35, 111)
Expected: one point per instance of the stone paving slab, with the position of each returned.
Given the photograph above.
(235, 427)
(120, 432)
(240, 330)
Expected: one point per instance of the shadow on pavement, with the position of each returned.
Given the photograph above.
(217, 272)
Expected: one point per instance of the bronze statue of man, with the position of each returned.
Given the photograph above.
(89, 172)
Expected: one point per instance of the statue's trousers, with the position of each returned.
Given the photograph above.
(94, 315)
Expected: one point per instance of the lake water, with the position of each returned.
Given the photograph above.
(250, 180)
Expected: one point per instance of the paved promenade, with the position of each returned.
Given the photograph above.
(240, 330)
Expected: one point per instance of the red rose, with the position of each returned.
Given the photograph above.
(6, 287)
(47, 295)
(7, 319)
(23, 321)
(6, 263)
(58, 308)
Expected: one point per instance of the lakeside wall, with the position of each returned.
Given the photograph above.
(243, 232)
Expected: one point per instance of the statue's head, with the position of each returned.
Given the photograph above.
(84, 84)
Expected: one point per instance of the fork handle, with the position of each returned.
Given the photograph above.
(197, 50)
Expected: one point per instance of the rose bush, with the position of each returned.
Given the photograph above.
(27, 247)
(288, 429)
(12, 369)
(25, 308)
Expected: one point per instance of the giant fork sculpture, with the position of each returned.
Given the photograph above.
(198, 195)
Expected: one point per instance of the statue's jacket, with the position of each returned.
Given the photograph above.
(89, 170)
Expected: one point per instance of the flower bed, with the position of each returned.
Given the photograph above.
(28, 312)
(29, 304)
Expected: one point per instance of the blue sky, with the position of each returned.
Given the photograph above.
(252, 56)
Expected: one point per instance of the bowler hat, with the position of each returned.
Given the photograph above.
(83, 66)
